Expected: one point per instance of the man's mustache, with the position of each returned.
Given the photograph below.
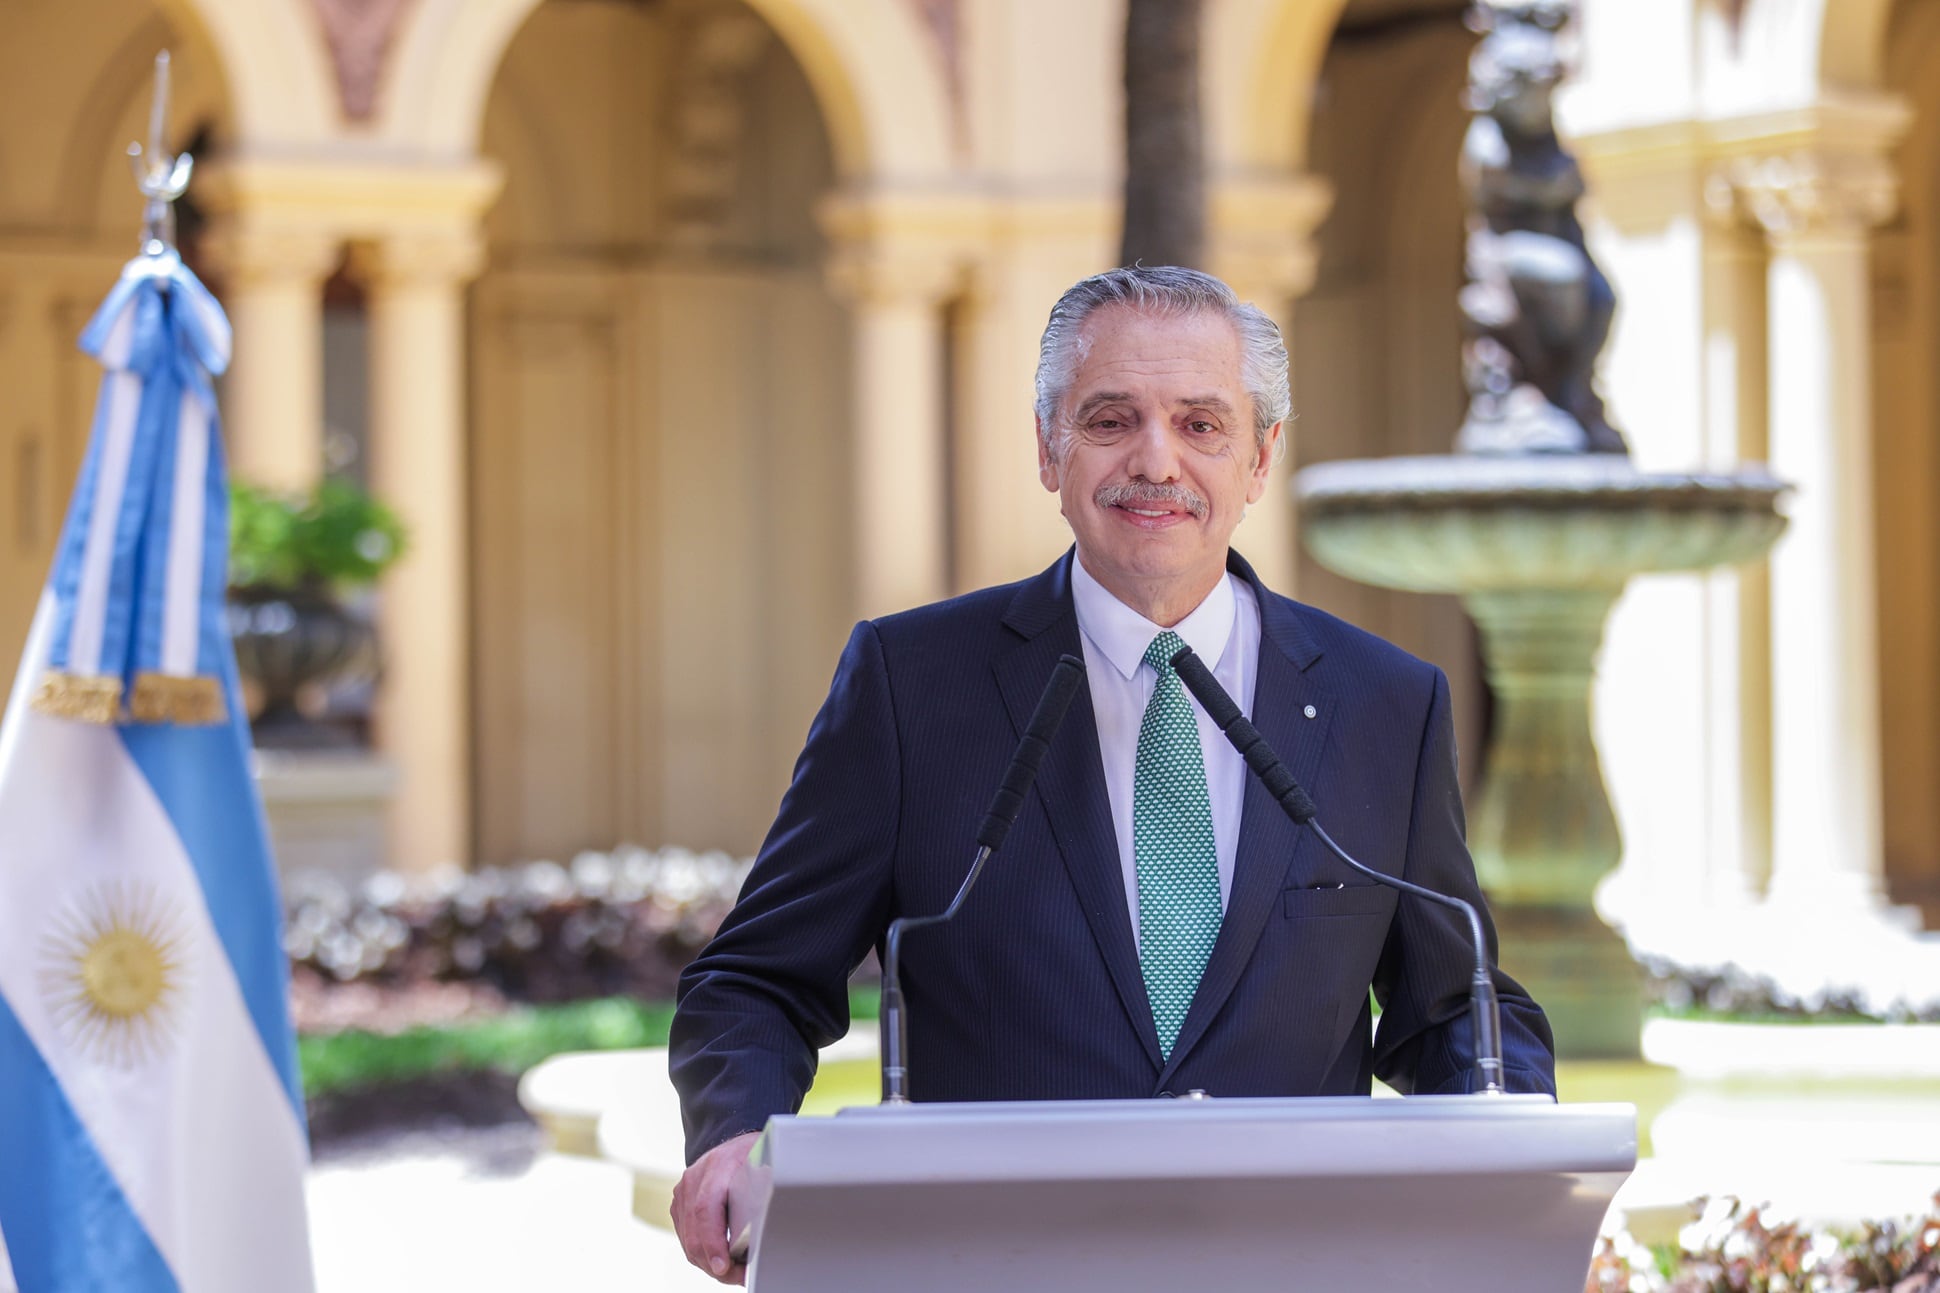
(1145, 493)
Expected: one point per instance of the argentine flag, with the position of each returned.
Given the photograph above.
(151, 1125)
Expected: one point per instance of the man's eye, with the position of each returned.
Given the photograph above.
(1107, 424)
(1202, 427)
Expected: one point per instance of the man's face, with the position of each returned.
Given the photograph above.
(1154, 459)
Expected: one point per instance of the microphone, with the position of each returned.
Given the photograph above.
(1485, 1014)
(1066, 678)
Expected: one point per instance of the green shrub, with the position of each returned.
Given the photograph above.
(508, 1043)
(335, 536)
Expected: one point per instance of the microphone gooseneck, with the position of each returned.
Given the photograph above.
(1058, 693)
(1485, 1014)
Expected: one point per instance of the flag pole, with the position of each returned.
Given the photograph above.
(162, 178)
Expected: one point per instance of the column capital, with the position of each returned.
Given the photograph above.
(1806, 192)
(901, 247)
(1822, 169)
(881, 273)
(1262, 229)
(246, 251)
(419, 259)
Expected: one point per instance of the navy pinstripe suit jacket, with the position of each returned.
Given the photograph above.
(1034, 991)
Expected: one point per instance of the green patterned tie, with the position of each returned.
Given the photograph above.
(1172, 840)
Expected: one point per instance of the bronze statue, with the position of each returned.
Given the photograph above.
(1537, 309)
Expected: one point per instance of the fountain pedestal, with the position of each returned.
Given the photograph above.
(1539, 548)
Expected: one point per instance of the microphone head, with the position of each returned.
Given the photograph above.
(1205, 688)
(1059, 691)
(1066, 678)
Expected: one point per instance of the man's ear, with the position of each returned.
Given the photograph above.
(1047, 466)
(1263, 465)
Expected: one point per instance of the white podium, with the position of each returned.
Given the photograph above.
(1336, 1195)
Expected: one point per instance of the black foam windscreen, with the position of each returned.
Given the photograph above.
(1066, 678)
(1245, 737)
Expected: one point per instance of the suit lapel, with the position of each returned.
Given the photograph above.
(1071, 784)
(1283, 690)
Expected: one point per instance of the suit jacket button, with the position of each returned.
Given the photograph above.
(1165, 1095)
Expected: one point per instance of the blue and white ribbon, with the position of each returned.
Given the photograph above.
(138, 578)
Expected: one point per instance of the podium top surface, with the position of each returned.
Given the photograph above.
(1212, 1138)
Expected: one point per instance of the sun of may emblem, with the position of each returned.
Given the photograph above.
(115, 974)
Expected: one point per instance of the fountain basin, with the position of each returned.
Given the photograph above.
(1461, 524)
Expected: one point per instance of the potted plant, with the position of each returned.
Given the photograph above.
(292, 559)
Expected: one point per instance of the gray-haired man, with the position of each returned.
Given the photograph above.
(1154, 923)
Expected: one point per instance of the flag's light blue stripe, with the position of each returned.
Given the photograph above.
(66, 576)
(151, 563)
(201, 776)
(69, 1226)
(161, 398)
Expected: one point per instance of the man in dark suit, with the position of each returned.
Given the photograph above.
(1154, 924)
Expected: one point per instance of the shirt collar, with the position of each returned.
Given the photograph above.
(1123, 635)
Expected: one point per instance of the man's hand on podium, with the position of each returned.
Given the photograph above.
(701, 1205)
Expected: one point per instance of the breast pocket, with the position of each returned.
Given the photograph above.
(1348, 900)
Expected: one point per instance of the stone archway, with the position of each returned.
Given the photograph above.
(1850, 48)
(659, 446)
(277, 73)
(1265, 56)
(879, 82)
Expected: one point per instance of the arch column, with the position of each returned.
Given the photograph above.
(272, 282)
(1262, 244)
(1817, 205)
(895, 264)
(416, 301)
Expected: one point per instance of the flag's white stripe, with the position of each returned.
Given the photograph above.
(182, 602)
(122, 390)
(6, 1269)
(120, 341)
(215, 324)
(201, 1139)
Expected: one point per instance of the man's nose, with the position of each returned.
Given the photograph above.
(1154, 451)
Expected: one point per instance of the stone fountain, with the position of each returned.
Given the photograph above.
(1537, 522)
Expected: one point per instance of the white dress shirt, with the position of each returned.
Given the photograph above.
(1223, 631)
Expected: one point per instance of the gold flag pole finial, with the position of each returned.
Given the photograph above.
(160, 177)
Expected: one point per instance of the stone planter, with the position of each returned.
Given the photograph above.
(620, 1106)
(287, 639)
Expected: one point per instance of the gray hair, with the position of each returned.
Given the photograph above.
(1162, 290)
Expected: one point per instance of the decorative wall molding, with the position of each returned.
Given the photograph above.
(941, 20)
(359, 34)
(708, 102)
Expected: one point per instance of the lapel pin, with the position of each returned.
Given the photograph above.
(1311, 711)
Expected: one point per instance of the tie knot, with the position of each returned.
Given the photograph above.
(1159, 655)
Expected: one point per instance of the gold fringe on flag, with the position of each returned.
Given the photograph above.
(172, 698)
(85, 698)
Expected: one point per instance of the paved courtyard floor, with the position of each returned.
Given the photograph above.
(484, 1212)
